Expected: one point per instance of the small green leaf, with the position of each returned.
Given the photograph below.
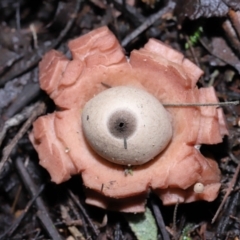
(194, 39)
(143, 225)
(186, 232)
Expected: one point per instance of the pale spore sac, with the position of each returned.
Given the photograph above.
(127, 125)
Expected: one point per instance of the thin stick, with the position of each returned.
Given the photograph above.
(33, 59)
(229, 190)
(146, 24)
(200, 104)
(84, 212)
(175, 220)
(191, 104)
(42, 211)
(39, 109)
(159, 219)
(15, 121)
(17, 222)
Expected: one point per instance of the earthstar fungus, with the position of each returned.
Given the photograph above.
(127, 126)
(174, 170)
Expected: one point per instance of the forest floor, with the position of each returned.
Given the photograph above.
(33, 207)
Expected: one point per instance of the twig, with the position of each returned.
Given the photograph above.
(160, 221)
(130, 12)
(38, 109)
(42, 212)
(17, 222)
(200, 104)
(29, 92)
(192, 51)
(69, 24)
(229, 189)
(149, 21)
(175, 221)
(33, 58)
(229, 209)
(235, 19)
(95, 230)
(117, 231)
(79, 216)
(19, 190)
(34, 35)
(231, 35)
(194, 57)
(15, 121)
(17, 14)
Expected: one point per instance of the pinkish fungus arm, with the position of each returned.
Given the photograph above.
(160, 50)
(176, 84)
(52, 154)
(212, 123)
(98, 58)
(51, 69)
(133, 204)
(99, 47)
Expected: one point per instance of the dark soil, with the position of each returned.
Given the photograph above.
(31, 28)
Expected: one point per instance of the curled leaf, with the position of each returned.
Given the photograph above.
(143, 225)
(204, 8)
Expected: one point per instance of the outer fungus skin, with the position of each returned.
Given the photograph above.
(126, 125)
(98, 61)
